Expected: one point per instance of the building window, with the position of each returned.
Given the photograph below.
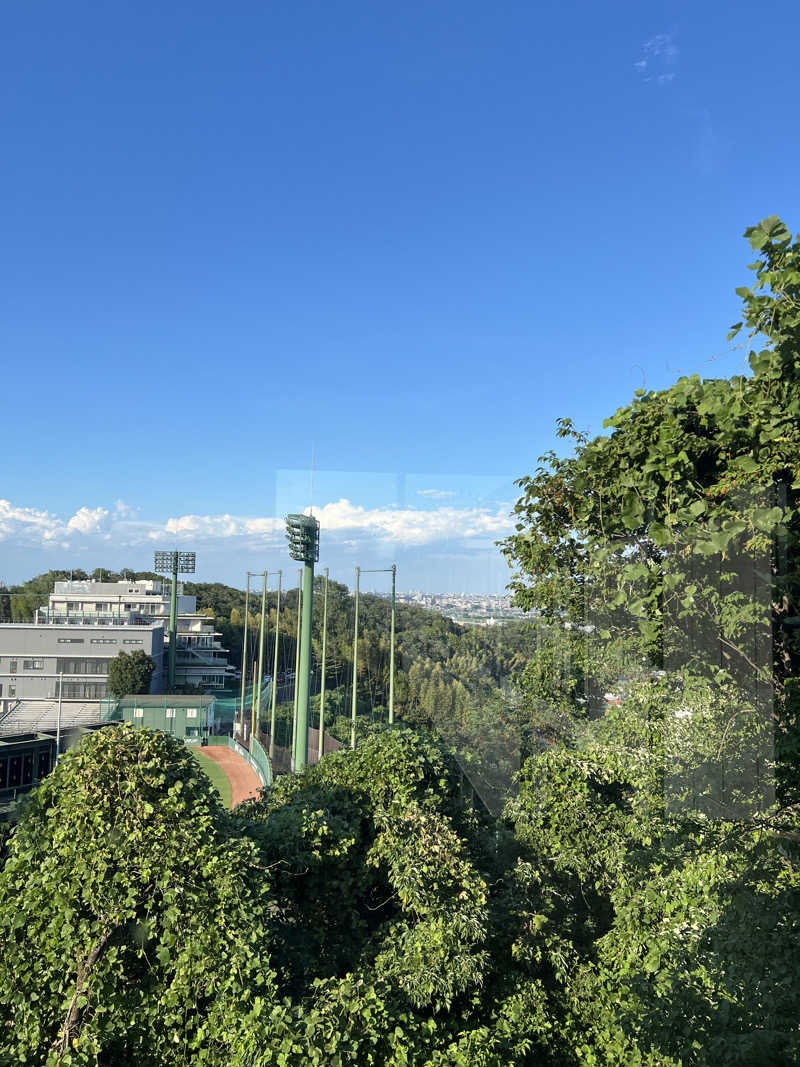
(12, 666)
(70, 640)
(191, 713)
(12, 690)
(104, 640)
(44, 764)
(170, 713)
(138, 713)
(82, 666)
(84, 690)
(32, 664)
(14, 771)
(131, 641)
(3, 772)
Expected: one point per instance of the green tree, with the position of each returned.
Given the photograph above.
(660, 531)
(130, 673)
(128, 913)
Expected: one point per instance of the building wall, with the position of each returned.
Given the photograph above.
(147, 597)
(28, 653)
(178, 721)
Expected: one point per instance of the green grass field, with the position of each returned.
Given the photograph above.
(219, 778)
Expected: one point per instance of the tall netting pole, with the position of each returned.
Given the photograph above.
(244, 654)
(262, 634)
(355, 667)
(391, 647)
(275, 672)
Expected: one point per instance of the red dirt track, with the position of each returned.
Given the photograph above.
(244, 780)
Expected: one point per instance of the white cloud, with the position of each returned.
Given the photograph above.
(88, 520)
(28, 524)
(659, 57)
(343, 522)
(223, 527)
(660, 45)
(124, 511)
(436, 494)
(408, 526)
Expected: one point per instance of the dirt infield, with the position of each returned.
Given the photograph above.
(244, 780)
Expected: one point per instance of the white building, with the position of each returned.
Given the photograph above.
(200, 659)
(33, 656)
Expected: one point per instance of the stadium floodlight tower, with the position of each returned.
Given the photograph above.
(173, 563)
(303, 534)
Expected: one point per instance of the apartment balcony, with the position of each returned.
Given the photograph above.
(43, 617)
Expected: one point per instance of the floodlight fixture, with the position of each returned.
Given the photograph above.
(174, 562)
(302, 532)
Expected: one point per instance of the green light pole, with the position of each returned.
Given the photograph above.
(324, 664)
(303, 534)
(275, 672)
(355, 668)
(173, 563)
(296, 667)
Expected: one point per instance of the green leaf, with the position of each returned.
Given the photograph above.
(632, 509)
(746, 464)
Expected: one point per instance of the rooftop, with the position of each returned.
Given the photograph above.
(166, 700)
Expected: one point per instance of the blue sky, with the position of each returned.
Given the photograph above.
(406, 237)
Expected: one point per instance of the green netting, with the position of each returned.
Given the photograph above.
(228, 701)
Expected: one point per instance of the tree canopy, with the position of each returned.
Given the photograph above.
(130, 673)
(679, 530)
(613, 911)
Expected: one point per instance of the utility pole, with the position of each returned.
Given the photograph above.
(355, 668)
(172, 563)
(58, 720)
(324, 664)
(303, 534)
(391, 648)
(275, 672)
(244, 654)
(257, 706)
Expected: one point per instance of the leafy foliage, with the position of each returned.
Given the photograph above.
(127, 915)
(365, 912)
(130, 673)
